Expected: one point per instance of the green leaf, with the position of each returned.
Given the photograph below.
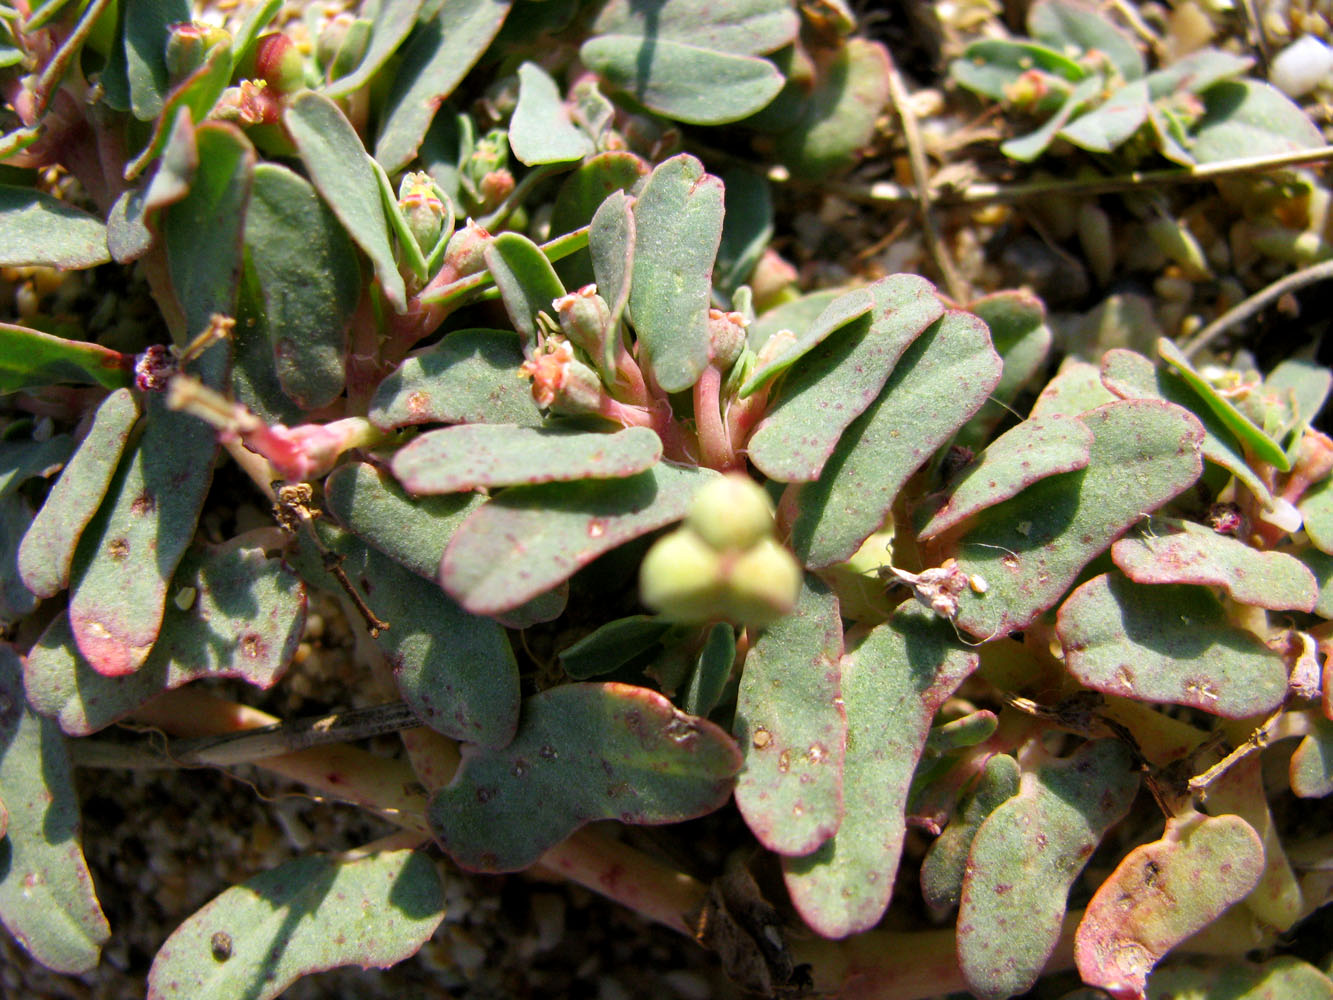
(342, 173)
(1076, 389)
(16, 601)
(820, 325)
(892, 686)
(747, 228)
(583, 752)
(747, 27)
(132, 225)
(46, 891)
(791, 726)
(1263, 446)
(38, 229)
(233, 613)
(127, 556)
(1112, 123)
(205, 274)
(146, 32)
(469, 377)
(589, 185)
(473, 456)
(1209, 979)
(711, 673)
(850, 94)
(563, 527)
(1030, 549)
(941, 381)
(1169, 643)
(308, 915)
(1019, 334)
(455, 670)
(196, 96)
(698, 86)
(540, 130)
(30, 359)
(440, 53)
(1028, 147)
(678, 223)
(1132, 376)
(526, 280)
(1250, 118)
(1163, 892)
(1171, 551)
(1321, 565)
(945, 864)
(1196, 72)
(1027, 855)
(47, 551)
(307, 282)
(1024, 454)
(612, 237)
(1311, 769)
(258, 18)
(1072, 26)
(990, 66)
(837, 381)
(411, 531)
(393, 20)
(613, 645)
(22, 459)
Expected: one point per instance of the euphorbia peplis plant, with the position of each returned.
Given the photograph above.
(884, 611)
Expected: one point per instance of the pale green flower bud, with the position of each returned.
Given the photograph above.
(681, 578)
(731, 512)
(423, 211)
(762, 585)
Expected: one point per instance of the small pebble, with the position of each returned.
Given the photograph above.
(1301, 66)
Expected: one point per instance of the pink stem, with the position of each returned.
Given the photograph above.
(714, 441)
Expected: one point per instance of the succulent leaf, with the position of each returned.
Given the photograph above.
(527, 281)
(1019, 334)
(941, 381)
(946, 862)
(233, 613)
(893, 683)
(540, 130)
(1170, 643)
(46, 891)
(31, 359)
(1026, 856)
(393, 20)
(583, 752)
(791, 727)
(39, 229)
(1160, 894)
(308, 915)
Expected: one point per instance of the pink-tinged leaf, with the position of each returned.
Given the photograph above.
(584, 752)
(946, 861)
(1026, 453)
(1018, 331)
(1183, 552)
(1282, 978)
(470, 377)
(528, 539)
(128, 554)
(233, 614)
(1027, 855)
(1031, 548)
(1169, 643)
(936, 386)
(791, 726)
(1277, 899)
(32, 359)
(1076, 388)
(840, 376)
(1160, 894)
(46, 891)
(892, 686)
(48, 547)
(1130, 375)
(475, 456)
(308, 915)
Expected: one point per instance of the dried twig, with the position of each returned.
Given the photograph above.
(1257, 303)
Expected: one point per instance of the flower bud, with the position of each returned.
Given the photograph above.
(726, 337)
(681, 578)
(188, 45)
(585, 319)
(465, 253)
(731, 512)
(560, 382)
(423, 210)
(278, 63)
(762, 585)
(495, 186)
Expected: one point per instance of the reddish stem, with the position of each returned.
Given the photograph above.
(715, 449)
